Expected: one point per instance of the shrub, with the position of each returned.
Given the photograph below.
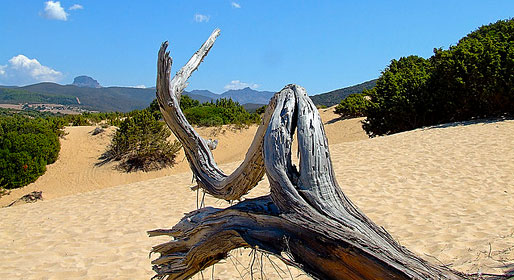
(26, 147)
(140, 144)
(473, 79)
(187, 102)
(222, 112)
(398, 101)
(261, 110)
(355, 105)
(206, 116)
(77, 120)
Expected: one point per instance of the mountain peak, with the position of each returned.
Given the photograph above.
(241, 90)
(86, 81)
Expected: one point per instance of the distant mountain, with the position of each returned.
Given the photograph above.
(204, 93)
(334, 97)
(86, 81)
(107, 99)
(248, 95)
(124, 99)
(243, 96)
(104, 99)
(199, 97)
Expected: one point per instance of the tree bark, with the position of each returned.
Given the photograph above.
(208, 176)
(307, 221)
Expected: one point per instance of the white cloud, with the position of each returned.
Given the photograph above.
(22, 70)
(235, 5)
(139, 86)
(76, 7)
(237, 84)
(54, 10)
(202, 18)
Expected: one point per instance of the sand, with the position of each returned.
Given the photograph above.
(446, 193)
(75, 170)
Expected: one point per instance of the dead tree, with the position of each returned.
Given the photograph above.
(306, 221)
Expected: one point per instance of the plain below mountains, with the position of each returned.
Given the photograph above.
(87, 93)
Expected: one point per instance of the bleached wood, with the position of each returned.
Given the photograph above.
(208, 175)
(306, 217)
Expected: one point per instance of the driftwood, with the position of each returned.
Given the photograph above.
(306, 221)
(28, 198)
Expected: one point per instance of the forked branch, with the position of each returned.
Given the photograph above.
(208, 175)
(306, 215)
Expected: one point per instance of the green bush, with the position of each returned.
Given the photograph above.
(473, 79)
(140, 144)
(26, 147)
(187, 102)
(261, 110)
(355, 105)
(202, 115)
(79, 120)
(221, 112)
(398, 101)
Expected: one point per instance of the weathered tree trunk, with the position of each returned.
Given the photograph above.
(306, 221)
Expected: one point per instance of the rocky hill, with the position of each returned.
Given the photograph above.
(86, 81)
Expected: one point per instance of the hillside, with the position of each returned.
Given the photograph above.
(108, 99)
(125, 99)
(334, 97)
(248, 95)
(15, 96)
(99, 99)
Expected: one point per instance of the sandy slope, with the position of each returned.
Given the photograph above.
(446, 193)
(75, 170)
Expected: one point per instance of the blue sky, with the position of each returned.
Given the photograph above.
(321, 45)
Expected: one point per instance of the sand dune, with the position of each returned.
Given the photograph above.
(75, 170)
(446, 193)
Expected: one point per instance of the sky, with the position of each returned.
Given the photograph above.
(265, 45)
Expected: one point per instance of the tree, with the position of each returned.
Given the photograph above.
(307, 220)
(474, 79)
(397, 101)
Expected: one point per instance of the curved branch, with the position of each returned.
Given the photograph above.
(204, 237)
(208, 175)
(307, 216)
(326, 238)
(179, 81)
(312, 196)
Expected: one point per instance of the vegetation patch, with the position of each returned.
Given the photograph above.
(14, 96)
(140, 144)
(216, 113)
(221, 112)
(26, 147)
(353, 106)
(474, 79)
